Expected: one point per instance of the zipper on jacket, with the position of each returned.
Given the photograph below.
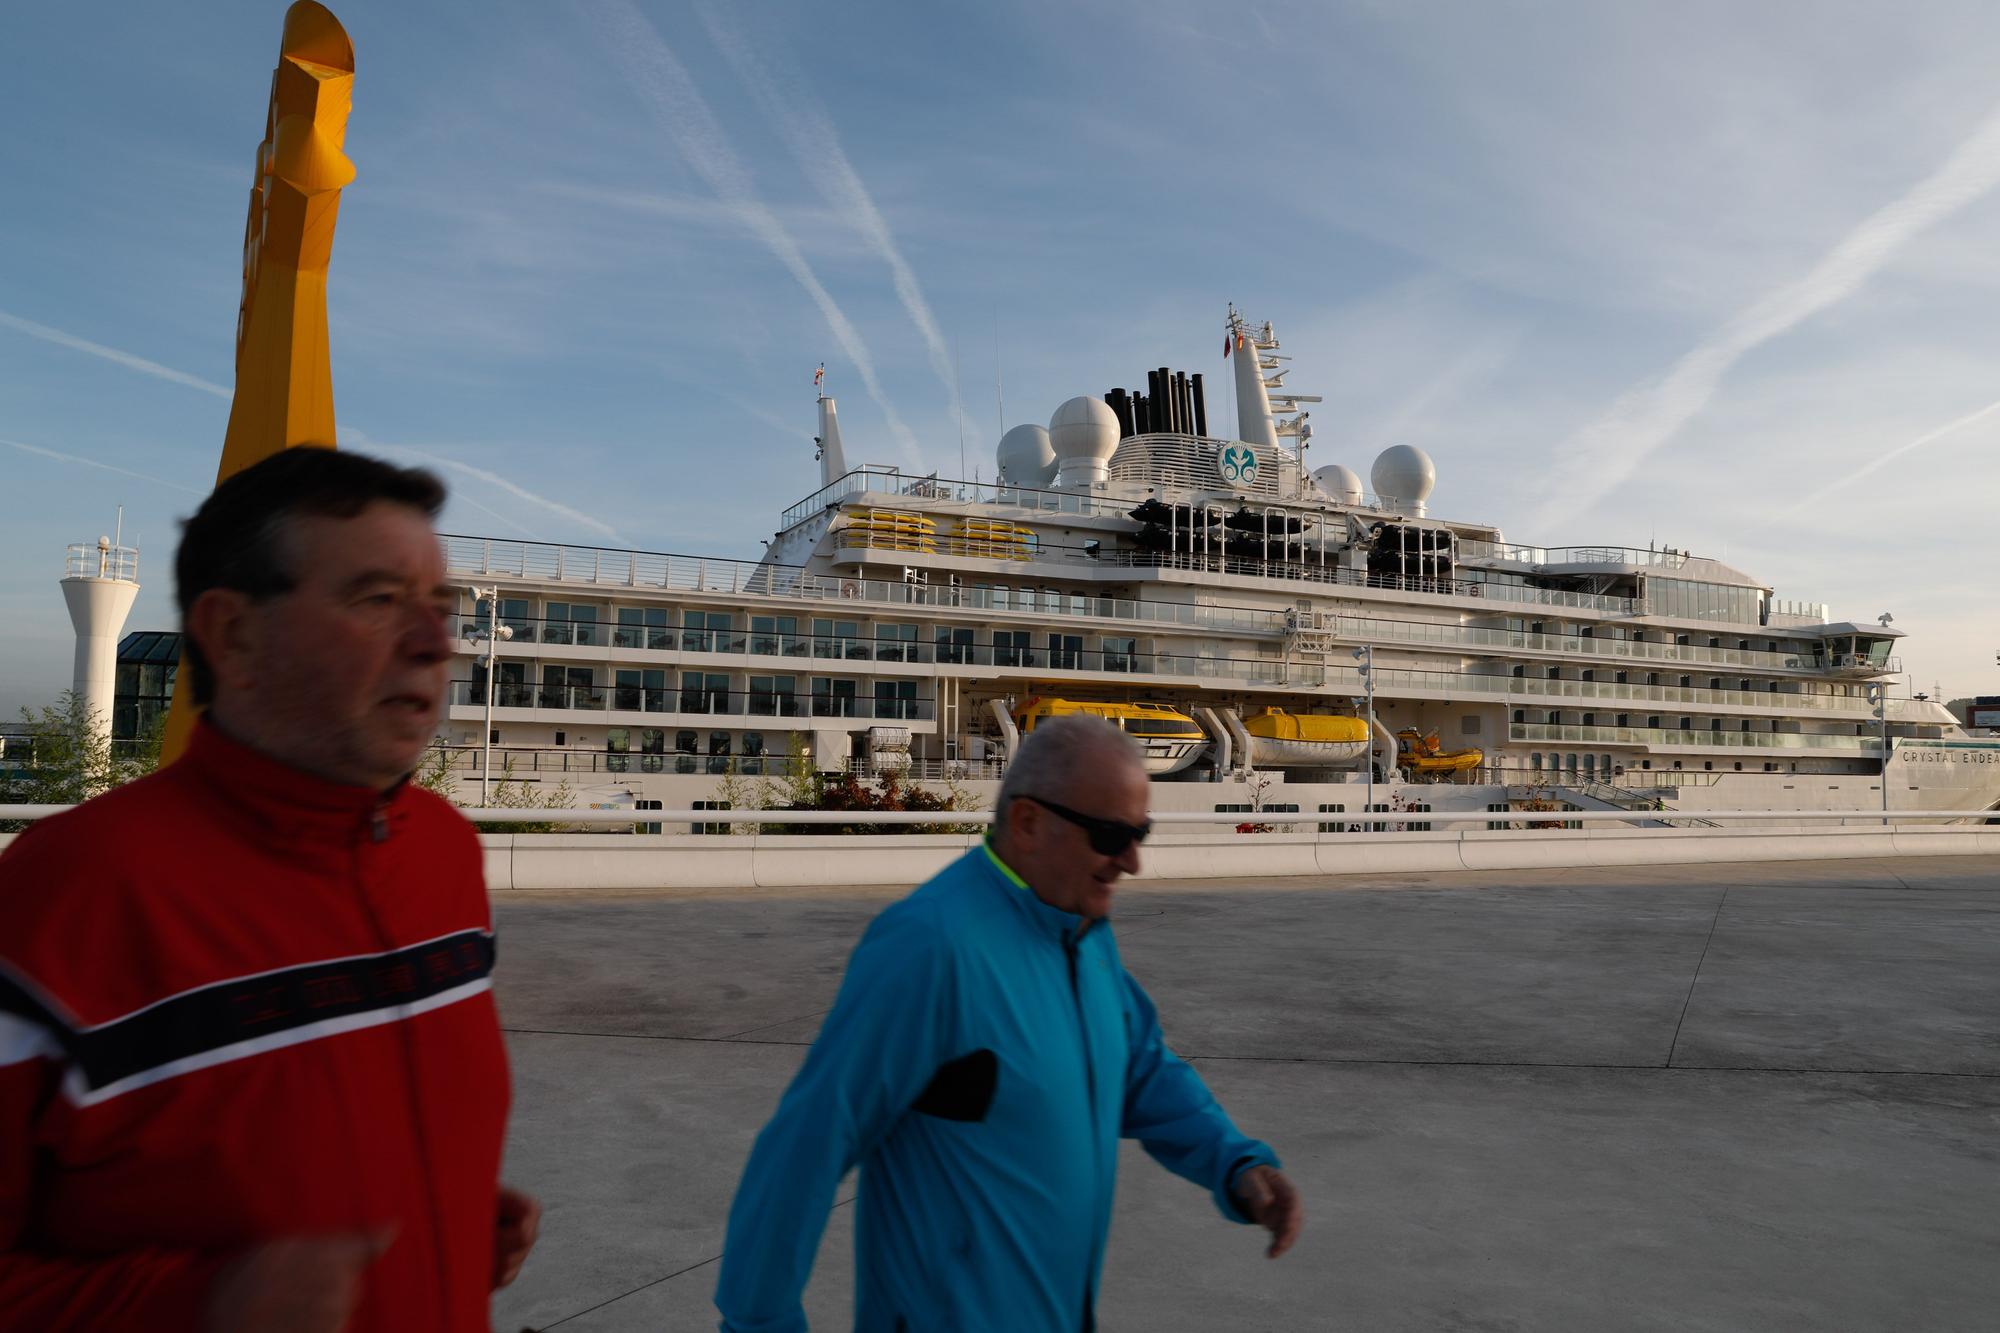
(1070, 942)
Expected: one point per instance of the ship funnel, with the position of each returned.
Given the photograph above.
(100, 581)
(1253, 400)
(832, 459)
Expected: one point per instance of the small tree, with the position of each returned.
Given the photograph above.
(512, 793)
(68, 758)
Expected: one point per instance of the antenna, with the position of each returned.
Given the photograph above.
(119, 540)
(999, 392)
(958, 402)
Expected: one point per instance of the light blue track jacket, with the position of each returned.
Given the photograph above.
(980, 1064)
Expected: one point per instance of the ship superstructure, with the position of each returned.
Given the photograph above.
(1129, 559)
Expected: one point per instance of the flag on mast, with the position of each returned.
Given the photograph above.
(819, 374)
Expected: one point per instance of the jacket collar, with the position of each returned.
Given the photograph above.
(282, 802)
(1053, 921)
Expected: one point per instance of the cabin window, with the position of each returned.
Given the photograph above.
(832, 698)
(567, 622)
(1121, 654)
(896, 699)
(953, 645)
(1066, 652)
(1012, 648)
(774, 696)
(704, 631)
(776, 636)
(839, 639)
(704, 692)
(643, 627)
(896, 643)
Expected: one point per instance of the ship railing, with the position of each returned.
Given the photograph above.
(1705, 739)
(611, 569)
(1113, 655)
(91, 561)
(636, 702)
(1416, 631)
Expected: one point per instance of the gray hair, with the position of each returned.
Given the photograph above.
(1060, 753)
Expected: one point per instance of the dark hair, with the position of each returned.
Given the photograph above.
(235, 540)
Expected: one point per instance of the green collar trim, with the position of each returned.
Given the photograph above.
(986, 845)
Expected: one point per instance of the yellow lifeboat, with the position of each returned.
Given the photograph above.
(1305, 740)
(1170, 739)
(1421, 755)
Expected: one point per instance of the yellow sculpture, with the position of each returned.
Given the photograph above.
(284, 380)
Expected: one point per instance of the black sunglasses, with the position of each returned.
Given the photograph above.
(1108, 837)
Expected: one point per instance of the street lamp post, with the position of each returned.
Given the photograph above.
(1880, 698)
(496, 633)
(1365, 655)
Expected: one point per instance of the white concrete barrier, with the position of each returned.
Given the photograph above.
(746, 861)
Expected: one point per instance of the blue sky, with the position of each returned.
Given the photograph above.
(1687, 273)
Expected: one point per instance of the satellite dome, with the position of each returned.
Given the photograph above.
(1403, 477)
(1026, 457)
(1084, 434)
(1339, 483)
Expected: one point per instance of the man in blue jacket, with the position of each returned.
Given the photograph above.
(987, 1051)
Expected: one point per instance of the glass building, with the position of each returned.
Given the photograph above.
(148, 661)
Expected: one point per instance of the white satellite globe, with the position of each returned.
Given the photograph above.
(1084, 434)
(1339, 482)
(1404, 477)
(1026, 457)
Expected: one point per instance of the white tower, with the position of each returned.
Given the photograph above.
(1253, 395)
(99, 583)
(832, 459)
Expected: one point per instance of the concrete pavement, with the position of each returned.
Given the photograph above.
(1760, 1096)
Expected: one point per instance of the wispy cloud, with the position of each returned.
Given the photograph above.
(126, 359)
(512, 488)
(660, 79)
(1612, 448)
(1875, 464)
(81, 461)
(808, 131)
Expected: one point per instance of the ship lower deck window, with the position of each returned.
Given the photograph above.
(1121, 654)
(896, 699)
(1066, 652)
(954, 645)
(832, 698)
(1012, 648)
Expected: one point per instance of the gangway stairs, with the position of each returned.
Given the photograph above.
(1605, 796)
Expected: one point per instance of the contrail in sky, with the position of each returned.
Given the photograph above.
(125, 359)
(1611, 449)
(106, 467)
(495, 479)
(809, 131)
(1872, 465)
(657, 74)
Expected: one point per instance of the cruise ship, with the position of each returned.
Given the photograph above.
(1277, 638)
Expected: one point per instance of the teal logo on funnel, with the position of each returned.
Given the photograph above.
(1238, 465)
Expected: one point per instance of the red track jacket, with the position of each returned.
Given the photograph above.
(239, 1003)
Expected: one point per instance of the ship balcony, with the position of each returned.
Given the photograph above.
(1663, 738)
(523, 702)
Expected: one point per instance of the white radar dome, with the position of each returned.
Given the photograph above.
(1084, 434)
(1404, 477)
(1339, 483)
(1026, 457)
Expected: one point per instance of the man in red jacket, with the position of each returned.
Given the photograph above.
(251, 1075)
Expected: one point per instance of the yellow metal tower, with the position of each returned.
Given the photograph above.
(284, 380)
